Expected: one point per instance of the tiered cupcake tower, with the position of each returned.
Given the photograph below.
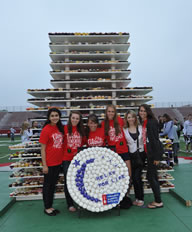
(90, 71)
(27, 173)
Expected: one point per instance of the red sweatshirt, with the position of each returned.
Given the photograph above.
(96, 138)
(72, 143)
(119, 140)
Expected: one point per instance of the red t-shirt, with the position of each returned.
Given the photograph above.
(53, 139)
(72, 142)
(96, 138)
(119, 140)
(144, 134)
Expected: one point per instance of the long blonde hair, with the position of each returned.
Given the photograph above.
(134, 115)
(116, 124)
(24, 127)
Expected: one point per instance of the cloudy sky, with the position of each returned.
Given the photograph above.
(161, 42)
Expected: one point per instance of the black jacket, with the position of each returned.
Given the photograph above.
(154, 146)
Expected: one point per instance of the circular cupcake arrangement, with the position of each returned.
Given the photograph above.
(97, 179)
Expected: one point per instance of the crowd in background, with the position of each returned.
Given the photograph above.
(173, 129)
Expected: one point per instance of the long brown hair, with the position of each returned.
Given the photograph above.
(80, 127)
(148, 110)
(106, 121)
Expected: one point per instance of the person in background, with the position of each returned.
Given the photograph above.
(34, 125)
(94, 132)
(12, 133)
(25, 132)
(179, 127)
(51, 140)
(74, 138)
(113, 127)
(35, 129)
(161, 123)
(187, 131)
(133, 135)
(168, 127)
(152, 147)
(175, 144)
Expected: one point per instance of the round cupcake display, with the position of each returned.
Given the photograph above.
(97, 179)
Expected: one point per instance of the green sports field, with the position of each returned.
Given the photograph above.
(5, 142)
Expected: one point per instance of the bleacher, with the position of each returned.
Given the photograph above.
(14, 119)
(185, 111)
(174, 112)
(2, 114)
(161, 111)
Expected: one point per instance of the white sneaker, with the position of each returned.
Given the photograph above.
(135, 202)
(138, 202)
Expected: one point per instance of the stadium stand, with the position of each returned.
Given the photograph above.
(14, 119)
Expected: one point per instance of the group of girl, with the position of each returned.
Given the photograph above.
(59, 144)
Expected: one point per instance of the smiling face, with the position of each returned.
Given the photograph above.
(75, 118)
(54, 118)
(142, 113)
(92, 125)
(131, 120)
(110, 113)
(35, 124)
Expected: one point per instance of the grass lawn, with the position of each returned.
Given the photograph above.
(5, 142)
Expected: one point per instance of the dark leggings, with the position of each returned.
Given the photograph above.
(138, 183)
(136, 177)
(153, 180)
(67, 195)
(49, 184)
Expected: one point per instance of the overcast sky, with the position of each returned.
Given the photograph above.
(161, 42)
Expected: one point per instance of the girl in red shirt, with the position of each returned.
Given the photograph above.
(113, 127)
(51, 140)
(74, 138)
(95, 134)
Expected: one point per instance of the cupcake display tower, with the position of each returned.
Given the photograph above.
(89, 72)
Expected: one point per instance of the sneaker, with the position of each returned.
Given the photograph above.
(135, 202)
(138, 202)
